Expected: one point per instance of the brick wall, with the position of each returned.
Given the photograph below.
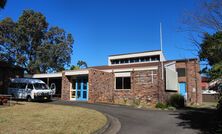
(65, 87)
(143, 89)
(192, 79)
(101, 86)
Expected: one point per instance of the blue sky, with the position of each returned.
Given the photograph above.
(105, 27)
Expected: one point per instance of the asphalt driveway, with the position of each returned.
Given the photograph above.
(138, 121)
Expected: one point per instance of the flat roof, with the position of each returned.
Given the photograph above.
(135, 53)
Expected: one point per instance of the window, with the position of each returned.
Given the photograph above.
(181, 72)
(40, 86)
(30, 86)
(21, 85)
(73, 84)
(123, 83)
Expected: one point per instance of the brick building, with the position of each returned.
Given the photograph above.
(145, 77)
(8, 71)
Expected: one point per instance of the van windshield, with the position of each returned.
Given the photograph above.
(40, 86)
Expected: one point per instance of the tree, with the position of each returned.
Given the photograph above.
(80, 65)
(211, 52)
(209, 20)
(73, 67)
(33, 45)
(2, 4)
(207, 17)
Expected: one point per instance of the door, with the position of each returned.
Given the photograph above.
(82, 89)
(183, 91)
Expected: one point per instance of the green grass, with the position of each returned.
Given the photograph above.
(51, 119)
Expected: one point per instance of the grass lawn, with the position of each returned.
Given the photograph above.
(51, 119)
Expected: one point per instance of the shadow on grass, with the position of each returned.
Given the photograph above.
(207, 121)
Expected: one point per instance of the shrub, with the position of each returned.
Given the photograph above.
(161, 105)
(176, 100)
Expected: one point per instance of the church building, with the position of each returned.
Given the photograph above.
(146, 77)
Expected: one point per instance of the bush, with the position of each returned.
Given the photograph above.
(176, 100)
(161, 105)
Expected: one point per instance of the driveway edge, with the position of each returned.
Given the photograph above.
(112, 126)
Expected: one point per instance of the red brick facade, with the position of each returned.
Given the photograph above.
(145, 87)
(101, 86)
(65, 87)
(192, 79)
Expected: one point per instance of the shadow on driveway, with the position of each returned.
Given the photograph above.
(208, 121)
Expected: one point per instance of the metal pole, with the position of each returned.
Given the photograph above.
(161, 46)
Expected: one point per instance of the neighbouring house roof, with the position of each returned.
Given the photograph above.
(204, 79)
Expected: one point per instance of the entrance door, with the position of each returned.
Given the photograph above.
(82, 89)
(183, 91)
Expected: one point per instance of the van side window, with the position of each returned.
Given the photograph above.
(12, 85)
(30, 86)
(22, 85)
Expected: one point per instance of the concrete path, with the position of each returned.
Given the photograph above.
(138, 121)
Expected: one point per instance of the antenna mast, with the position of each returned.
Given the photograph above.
(161, 47)
(161, 40)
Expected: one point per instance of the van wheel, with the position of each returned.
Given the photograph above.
(29, 99)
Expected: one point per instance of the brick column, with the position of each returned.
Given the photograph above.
(101, 86)
(65, 87)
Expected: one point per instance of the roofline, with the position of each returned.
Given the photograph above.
(188, 59)
(134, 53)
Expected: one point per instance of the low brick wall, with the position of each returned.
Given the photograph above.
(210, 97)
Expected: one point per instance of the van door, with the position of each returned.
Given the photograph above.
(29, 90)
(22, 89)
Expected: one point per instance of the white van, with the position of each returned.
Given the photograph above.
(30, 89)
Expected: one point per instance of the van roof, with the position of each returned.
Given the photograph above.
(26, 80)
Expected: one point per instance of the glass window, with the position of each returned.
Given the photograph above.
(78, 94)
(73, 94)
(84, 94)
(119, 83)
(30, 86)
(127, 83)
(136, 59)
(123, 83)
(40, 86)
(73, 84)
(132, 60)
(21, 85)
(79, 84)
(181, 72)
(84, 84)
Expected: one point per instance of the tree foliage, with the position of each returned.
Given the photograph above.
(2, 4)
(208, 16)
(80, 65)
(32, 44)
(211, 52)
